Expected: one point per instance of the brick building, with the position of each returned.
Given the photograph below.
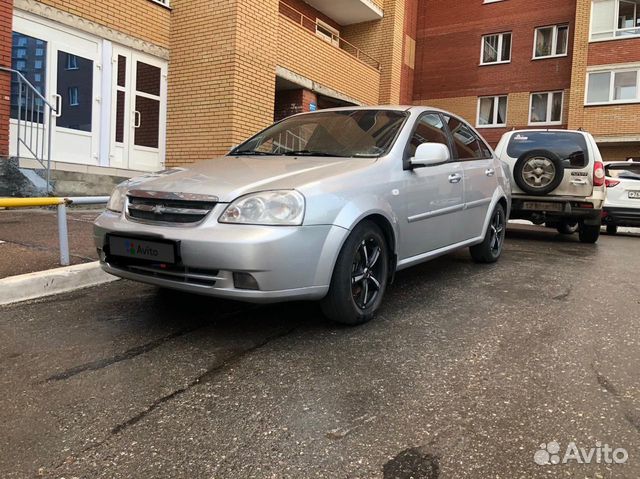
(135, 86)
(563, 63)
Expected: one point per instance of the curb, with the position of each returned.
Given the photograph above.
(54, 281)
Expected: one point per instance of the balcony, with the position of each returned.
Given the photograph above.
(348, 12)
(326, 59)
(337, 41)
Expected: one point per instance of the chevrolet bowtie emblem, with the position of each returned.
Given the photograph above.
(158, 209)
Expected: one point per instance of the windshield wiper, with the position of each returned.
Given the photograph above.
(310, 153)
(252, 153)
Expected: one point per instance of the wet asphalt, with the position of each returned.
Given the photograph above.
(465, 373)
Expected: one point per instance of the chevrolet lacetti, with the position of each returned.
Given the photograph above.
(320, 206)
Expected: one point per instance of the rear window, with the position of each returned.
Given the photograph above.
(627, 172)
(568, 146)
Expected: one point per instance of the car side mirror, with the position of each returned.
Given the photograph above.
(429, 154)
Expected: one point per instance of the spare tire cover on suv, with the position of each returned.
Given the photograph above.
(538, 172)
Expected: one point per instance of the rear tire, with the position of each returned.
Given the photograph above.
(359, 278)
(490, 249)
(589, 233)
(566, 228)
(612, 229)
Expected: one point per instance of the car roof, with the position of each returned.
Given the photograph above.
(405, 108)
(621, 163)
(550, 130)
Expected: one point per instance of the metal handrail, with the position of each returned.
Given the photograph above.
(300, 20)
(40, 149)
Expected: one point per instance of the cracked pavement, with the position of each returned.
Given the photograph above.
(465, 373)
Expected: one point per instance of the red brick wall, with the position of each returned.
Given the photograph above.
(292, 102)
(449, 39)
(6, 20)
(619, 51)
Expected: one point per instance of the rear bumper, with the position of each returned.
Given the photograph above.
(589, 210)
(629, 217)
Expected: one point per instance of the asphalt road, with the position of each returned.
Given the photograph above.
(466, 371)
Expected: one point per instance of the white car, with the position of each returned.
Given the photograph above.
(622, 207)
(557, 178)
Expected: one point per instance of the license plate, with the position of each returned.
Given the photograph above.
(635, 195)
(540, 206)
(135, 248)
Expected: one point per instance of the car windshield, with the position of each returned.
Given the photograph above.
(341, 134)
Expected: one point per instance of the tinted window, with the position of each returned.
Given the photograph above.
(468, 145)
(430, 129)
(568, 146)
(627, 172)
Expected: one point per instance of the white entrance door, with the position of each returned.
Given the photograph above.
(138, 111)
(64, 66)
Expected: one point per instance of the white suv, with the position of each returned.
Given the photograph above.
(558, 179)
(622, 207)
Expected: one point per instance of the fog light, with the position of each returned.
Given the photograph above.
(245, 281)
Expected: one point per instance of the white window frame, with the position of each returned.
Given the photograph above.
(612, 83)
(496, 105)
(164, 3)
(500, 43)
(335, 39)
(614, 30)
(554, 42)
(549, 108)
(492, 1)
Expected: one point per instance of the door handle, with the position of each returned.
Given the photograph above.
(490, 172)
(455, 178)
(137, 119)
(58, 101)
(578, 182)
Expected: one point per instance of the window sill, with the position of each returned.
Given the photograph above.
(549, 57)
(490, 126)
(613, 39)
(162, 4)
(613, 103)
(493, 63)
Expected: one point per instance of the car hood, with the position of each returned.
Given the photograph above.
(231, 177)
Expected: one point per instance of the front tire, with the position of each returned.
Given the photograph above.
(490, 249)
(589, 233)
(359, 278)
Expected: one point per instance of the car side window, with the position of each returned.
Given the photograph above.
(468, 145)
(430, 129)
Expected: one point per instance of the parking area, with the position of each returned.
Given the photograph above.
(466, 372)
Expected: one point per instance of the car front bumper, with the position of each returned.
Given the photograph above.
(287, 263)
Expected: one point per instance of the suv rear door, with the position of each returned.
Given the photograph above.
(574, 148)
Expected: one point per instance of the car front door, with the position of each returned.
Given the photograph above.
(479, 175)
(434, 195)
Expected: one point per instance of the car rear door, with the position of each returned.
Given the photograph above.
(479, 175)
(433, 195)
(573, 148)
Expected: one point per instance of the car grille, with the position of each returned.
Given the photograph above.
(163, 207)
(175, 273)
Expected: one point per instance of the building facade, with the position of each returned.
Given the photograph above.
(122, 87)
(561, 64)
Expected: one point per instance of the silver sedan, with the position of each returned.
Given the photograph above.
(320, 206)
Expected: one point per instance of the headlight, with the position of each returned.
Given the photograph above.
(116, 202)
(275, 208)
